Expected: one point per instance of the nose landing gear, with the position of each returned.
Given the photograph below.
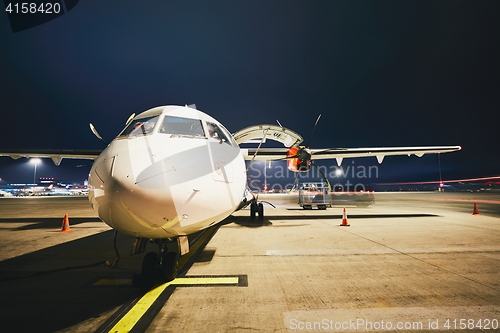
(159, 267)
(256, 209)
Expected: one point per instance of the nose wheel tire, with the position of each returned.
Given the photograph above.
(154, 270)
(170, 267)
(253, 210)
(260, 210)
(149, 268)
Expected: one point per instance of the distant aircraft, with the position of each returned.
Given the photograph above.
(5, 194)
(39, 190)
(174, 171)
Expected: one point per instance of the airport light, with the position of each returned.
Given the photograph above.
(35, 161)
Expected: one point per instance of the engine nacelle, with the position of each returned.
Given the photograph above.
(300, 163)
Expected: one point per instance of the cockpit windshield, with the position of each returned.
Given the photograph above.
(182, 127)
(140, 126)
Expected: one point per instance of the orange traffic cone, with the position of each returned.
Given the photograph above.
(65, 225)
(475, 211)
(344, 223)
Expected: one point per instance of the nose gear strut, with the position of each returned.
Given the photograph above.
(162, 266)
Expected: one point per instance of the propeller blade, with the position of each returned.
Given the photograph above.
(132, 116)
(322, 175)
(327, 150)
(286, 158)
(314, 128)
(294, 182)
(92, 128)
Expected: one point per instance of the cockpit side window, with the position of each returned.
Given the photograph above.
(219, 133)
(231, 141)
(142, 126)
(182, 127)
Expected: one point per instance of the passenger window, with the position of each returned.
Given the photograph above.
(182, 127)
(140, 126)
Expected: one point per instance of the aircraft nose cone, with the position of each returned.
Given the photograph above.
(127, 196)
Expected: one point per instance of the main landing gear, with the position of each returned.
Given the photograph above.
(256, 209)
(161, 266)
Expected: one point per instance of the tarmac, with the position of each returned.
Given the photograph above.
(416, 262)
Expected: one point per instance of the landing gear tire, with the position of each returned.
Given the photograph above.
(253, 210)
(152, 269)
(149, 269)
(260, 211)
(170, 267)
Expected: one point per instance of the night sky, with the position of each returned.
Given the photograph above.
(382, 73)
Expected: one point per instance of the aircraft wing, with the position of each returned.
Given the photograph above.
(56, 155)
(269, 154)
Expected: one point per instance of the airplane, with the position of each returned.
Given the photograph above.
(5, 194)
(174, 171)
(39, 190)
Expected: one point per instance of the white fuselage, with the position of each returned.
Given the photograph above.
(168, 182)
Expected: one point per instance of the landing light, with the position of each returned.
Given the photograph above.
(35, 162)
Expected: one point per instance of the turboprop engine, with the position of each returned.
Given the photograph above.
(298, 159)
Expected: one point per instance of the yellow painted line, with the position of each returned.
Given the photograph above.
(182, 262)
(178, 281)
(207, 280)
(132, 317)
(139, 309)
